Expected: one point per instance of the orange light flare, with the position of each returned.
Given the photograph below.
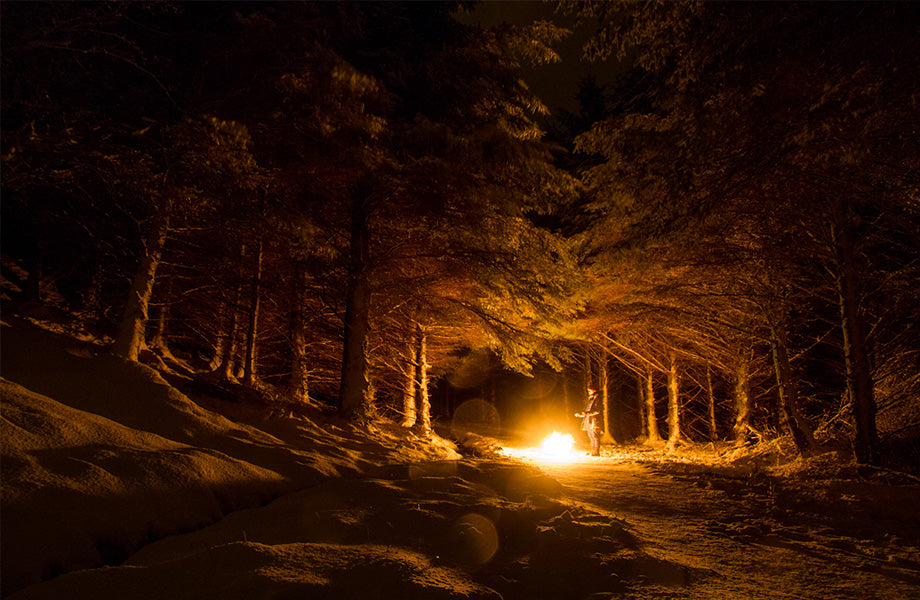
(555, 448)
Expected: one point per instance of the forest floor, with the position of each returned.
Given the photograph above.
(117, 484)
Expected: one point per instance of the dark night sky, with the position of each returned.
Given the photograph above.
(556, 84)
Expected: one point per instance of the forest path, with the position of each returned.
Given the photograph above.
(758, 538)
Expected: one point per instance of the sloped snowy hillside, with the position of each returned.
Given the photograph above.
(100, 456)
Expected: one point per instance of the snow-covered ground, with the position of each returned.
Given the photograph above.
(107, 462)
(741, 536)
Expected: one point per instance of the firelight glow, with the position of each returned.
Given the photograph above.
(557, 444)
(556, 448)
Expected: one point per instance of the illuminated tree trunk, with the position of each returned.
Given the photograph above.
(353, 387)
(160, 338)
(801, 432)
(130, 339)
(603, 380)
(300, 371)
(653, 434)
(228, 341)
(713, 430)
(423, 406)
(640, 406)
(742, 424)
(858, 370)
(159, 334)
(249, 365)
(410, 385)
(588, 380)
(674, 435)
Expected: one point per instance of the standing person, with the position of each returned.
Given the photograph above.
(589, 422)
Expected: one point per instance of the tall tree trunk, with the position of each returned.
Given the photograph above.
(640, 406)
(713, 430)
(300, 370)
(674, 434)
(654, 436)
(228, 342)
(792, 420)
(229, 338)
(410, 384)
(249, 365)
(160, 336)
(742, 425)
(423, 406)
(219, 342)
(604, 381)
(858, 369)
(586, 372)
(354, 380)
(130, 339)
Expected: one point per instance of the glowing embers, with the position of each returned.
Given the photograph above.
(556, 447)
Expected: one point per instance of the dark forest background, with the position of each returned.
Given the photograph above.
(363, 205)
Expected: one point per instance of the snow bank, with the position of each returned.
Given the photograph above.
(82, 376)
(101, 456)
(80, 490)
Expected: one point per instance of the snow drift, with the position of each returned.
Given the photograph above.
(101, 456)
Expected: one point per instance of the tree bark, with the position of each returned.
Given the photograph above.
(860, 386)
(130, 339)
(640, 406)
(795, 424)
(160, 338)
(249, 366)
(217, 358)
(654, 436)
(713, 430)
(423, 405)
(410, 385)
(674, 434)
(228, 342)
(587, 371)
(742, 425)
(300, 371)
(603, 380)
(354, 383)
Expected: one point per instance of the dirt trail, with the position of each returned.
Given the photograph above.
(743, 538)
